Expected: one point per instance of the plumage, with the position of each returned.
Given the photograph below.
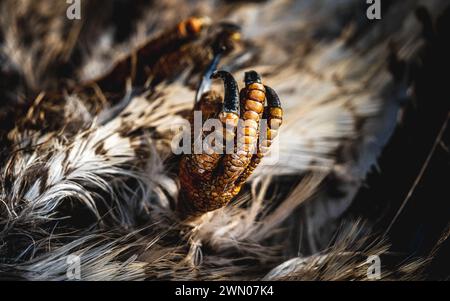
(99, 179)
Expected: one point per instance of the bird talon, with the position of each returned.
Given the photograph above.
(207, 187)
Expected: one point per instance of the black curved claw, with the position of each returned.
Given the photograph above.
(252, 77)
(231, 98)
(205, 84)
(272, 98)
(225, 38)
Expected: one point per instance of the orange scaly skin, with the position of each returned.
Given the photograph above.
(156, 60)
(274, 117)
(211, 181)
(147, 60)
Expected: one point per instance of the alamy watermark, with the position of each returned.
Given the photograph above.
(73, 271)
(212, 136)
(73, 11)
(374, 269)
(374, 10)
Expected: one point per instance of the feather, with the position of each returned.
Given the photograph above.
(98, 180)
